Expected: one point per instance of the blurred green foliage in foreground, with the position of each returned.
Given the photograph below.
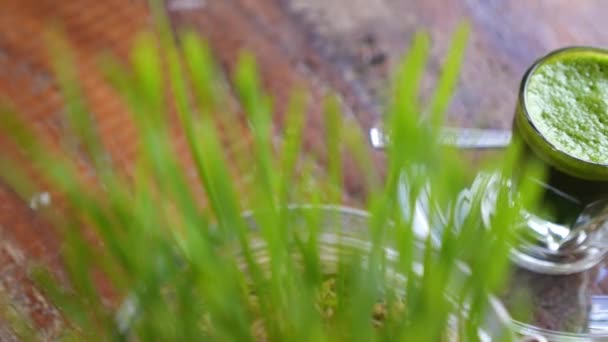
(183, 261)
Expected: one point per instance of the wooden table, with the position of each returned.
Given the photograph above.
(352, 46)
(349, 46)
(360, 41)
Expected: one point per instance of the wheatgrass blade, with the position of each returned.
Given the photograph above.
(404, 154)
(448, 77)
(333, 141)
(202, 139)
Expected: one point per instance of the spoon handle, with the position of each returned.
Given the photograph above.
(590, 228)
(466, 138)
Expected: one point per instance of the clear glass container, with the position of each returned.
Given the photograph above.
(343, 230)
(566, 293)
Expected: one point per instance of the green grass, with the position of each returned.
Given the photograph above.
(185, 269)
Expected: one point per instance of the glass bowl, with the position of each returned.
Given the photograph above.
(344, 230)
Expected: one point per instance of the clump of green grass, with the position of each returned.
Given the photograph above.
(184, 268)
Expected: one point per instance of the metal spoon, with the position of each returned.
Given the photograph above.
(465, 138)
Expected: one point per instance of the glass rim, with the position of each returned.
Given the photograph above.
(527, 329)
(522, 104)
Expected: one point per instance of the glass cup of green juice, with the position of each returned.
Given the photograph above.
(562, 120)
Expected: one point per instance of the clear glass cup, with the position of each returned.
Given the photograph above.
(561, 273)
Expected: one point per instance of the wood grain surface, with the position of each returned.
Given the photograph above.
(367, 39)
(348, 46)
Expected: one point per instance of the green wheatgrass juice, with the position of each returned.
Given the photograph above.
(567, 101)
(562, 117)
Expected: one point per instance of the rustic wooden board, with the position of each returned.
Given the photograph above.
(349, 46)
(367, 38)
